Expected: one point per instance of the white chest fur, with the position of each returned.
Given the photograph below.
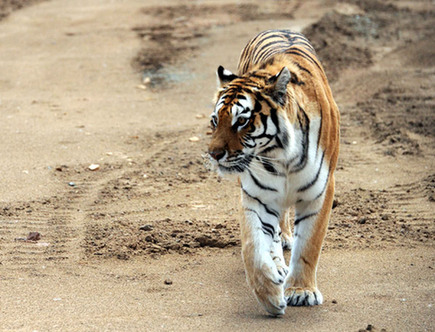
(288, 176)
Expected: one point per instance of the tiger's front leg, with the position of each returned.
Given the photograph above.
(311, 223)
(263, 257)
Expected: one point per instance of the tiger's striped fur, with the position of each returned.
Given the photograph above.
(276, 126)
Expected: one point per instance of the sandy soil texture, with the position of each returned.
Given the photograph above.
(147, 239)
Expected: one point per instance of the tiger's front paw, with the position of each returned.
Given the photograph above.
(273, 302)
(298, 296)
(280, 266)
(269, 288)
(267, 282)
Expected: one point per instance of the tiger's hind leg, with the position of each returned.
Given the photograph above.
(311, 223)
(286, 232)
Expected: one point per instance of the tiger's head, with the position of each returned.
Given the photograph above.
(247, 120)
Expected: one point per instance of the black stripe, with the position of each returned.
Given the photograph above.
(264, 118)
(259, 97)
(278, 142)
(303, 68)
(254, 75)
(305, 142)
(263, 134)
(324, 188)
(268, 149)
(264, 49)
(294, 79)
(274, 117)
(320, 129)
(259, 184)
(269, 211)
(305, 44)
(257, 107)
(295, 40)
(250, 85)
(273, 51)
(245, 110)
(255, 39)
(310, 184)
(268, 167)
(307, 119)
(266, 227)
(248, 145)
(298, 220)
(254, 49)
(303, 54)
(267, 231)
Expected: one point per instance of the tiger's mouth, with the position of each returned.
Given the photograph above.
(237, 164)
(231, 169)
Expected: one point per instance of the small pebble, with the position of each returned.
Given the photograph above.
(33, 236)
(71, 184)
(94, 167)
(168, 282)
(194, 139)
(146, 228)
(334, 301)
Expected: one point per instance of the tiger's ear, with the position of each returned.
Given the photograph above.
(224, 76)
(278, 85)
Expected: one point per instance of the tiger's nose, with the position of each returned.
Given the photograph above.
(217, 154)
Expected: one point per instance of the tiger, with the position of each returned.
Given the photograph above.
(275, 126)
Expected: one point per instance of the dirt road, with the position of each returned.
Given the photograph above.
(150, 240)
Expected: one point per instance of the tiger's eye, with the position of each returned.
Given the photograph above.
(242, 121)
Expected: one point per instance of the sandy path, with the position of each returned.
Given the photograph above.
(209, 293)
(69, 95)
(66, 81)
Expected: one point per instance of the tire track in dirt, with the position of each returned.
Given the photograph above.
(160, 204)
(18, 220)
(58, 219)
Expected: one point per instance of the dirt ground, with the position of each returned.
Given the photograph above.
(149, 240)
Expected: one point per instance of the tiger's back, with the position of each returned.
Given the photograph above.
(273, 42)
